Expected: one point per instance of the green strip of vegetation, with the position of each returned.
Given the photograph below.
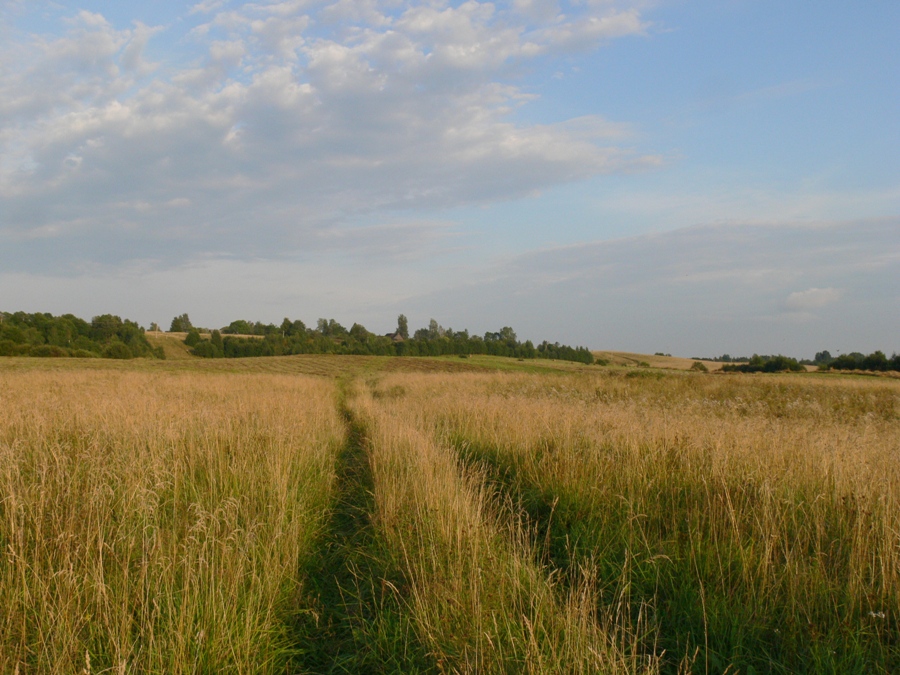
(330, 337)
(358, 624)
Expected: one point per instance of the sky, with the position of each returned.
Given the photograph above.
(694, 178)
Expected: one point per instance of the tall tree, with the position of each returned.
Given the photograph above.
(181, 324)
(403, 326)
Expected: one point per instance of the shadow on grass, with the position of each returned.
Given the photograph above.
(707, 621)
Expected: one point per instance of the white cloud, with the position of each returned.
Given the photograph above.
(284, 126)
(813, 298)
(206, 6)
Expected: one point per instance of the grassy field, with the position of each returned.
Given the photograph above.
(323, 514)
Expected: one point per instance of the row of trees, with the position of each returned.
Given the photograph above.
(765, 364)
(876, 361)
(330, 337)
(725, 358)
(42, 334)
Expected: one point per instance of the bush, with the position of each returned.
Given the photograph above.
(84, 354)
(193, 338)
(117, 350)
(766, 364)
(8, 348)
(207, 350)
(699, 366)
(49, 351)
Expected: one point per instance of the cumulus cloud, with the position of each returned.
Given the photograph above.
(296, 116)
(812, 298)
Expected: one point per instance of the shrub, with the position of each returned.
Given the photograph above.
(193, 338)
(699, 366)
(117, 350)
(49, 351)
(207, 350)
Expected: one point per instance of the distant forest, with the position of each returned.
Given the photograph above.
(876, 361)
(108, 336)
(330, 337)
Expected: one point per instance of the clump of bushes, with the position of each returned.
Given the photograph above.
(46, 336)
(765, 364)
(876, 361)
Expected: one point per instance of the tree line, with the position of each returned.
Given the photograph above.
(765, 364)
(330, 337)
(876, 361)
(42, 334)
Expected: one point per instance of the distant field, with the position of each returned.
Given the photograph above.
(674, 362)
(313, 514)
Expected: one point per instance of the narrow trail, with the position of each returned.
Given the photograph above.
(357, 626)
(552, 531)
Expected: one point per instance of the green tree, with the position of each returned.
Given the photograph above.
(117, 350)
(181, 324)
(193, 338)
(358, 332)
(403, 327)
(105, 327)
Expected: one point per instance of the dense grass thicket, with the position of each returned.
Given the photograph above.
(241, 516)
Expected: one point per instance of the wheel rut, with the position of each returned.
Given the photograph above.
(357, 624)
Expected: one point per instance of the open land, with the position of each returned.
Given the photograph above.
(317, 514)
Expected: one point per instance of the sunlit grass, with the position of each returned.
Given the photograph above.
(158, 523)
(432, 515)
(758, 517)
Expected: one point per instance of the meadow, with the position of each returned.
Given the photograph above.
(339, 514)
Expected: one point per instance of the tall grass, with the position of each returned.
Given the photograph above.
(477, 598)
(158, 523)
(164, 520)
(758, 517)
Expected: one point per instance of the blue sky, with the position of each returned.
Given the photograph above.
(687, 177)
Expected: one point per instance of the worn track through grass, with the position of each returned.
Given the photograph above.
(359, 624)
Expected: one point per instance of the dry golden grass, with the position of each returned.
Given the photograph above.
(158, 523)
(160, 516)
(172, 344)
(631, 359)
(767, 507)
(478, 598)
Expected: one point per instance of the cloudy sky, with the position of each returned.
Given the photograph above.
(662, 175)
